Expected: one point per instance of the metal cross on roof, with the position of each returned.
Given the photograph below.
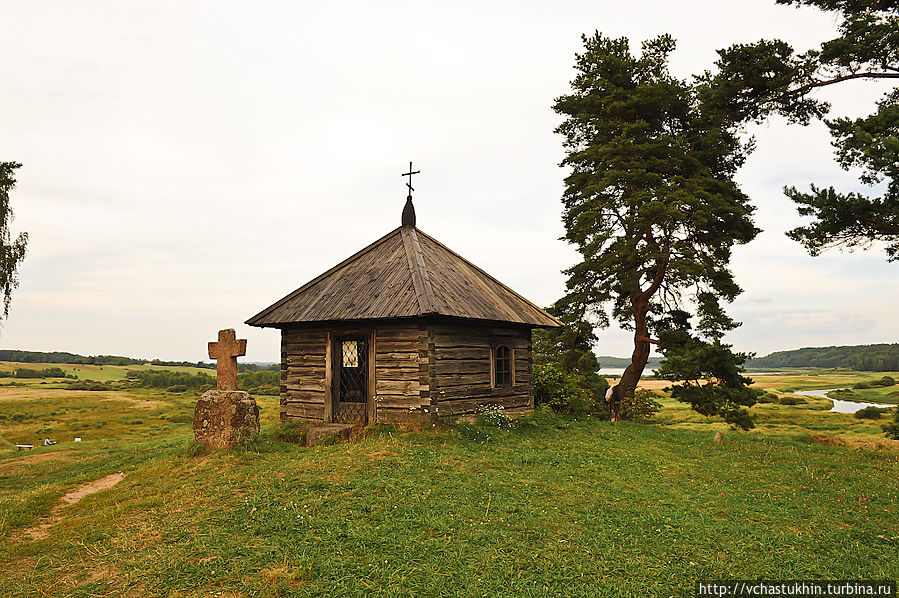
(409, 174)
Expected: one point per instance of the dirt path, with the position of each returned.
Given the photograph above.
(42, 529)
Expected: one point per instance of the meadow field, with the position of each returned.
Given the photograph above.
(551, 507)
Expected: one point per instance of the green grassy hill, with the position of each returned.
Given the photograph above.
(551, 508)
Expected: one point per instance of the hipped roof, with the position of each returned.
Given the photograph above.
(404, 274)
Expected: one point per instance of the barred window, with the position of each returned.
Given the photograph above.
(502, 366)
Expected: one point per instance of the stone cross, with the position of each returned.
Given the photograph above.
(225, 352)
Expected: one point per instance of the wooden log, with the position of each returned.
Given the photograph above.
(461, 392)
(462, 366)
(309, 359)
(295, 374)
(397, 373)
(303, 336)
(398, 346)
(403, 387)
(304, 396)
(410, 360)
(473, 405)
(302, 411)
(445, 380)
(400, 401)
(328, 411)
(305, 386)
(398, 335)
(450, 353)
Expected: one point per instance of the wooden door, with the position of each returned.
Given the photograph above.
(350, 379)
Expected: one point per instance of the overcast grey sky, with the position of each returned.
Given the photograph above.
(188, 163)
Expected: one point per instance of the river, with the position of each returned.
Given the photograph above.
(839, 406)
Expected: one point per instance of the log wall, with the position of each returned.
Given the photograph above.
(461, 374)
(420, 370)
(305, 374)
(402, 390)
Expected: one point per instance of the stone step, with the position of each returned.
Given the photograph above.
(318, 434)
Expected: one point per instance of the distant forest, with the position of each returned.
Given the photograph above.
(870, 358)
(63, 357)
(865, 358)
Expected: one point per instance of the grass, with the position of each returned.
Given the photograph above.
(582, 508)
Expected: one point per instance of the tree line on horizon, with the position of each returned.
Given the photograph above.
(62, 357)
(865, 358)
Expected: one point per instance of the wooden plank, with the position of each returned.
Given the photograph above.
(306, 359)
(304, 396)
(328, 412)
(459, 406)
(444, 353)
(397, 373)
(397, 335)
(302, 411)
(410, 346)
(462, 366)
(371, 413)
(397, 360)
(444, 380)
(439, 395)
(300, 351)
(400, 402)
(404, 387)
(305, 386)
(427, 302)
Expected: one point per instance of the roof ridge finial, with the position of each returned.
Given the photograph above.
(409, 209)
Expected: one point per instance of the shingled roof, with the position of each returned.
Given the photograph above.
(404, 274)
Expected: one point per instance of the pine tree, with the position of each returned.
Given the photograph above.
(650, 202)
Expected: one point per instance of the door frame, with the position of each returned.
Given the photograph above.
(332, 372)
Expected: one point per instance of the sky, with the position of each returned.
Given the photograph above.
(187, 164)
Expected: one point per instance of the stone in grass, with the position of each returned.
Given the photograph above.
(223, 417)
(325, 432)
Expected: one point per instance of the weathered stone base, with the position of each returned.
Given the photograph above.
(222, 417)
(318, 434)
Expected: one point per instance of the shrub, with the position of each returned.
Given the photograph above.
(74, 426)
(97, 387)
(861, 385)
(265, 389)
(27, 373)
(892, 429)
(868, 413)
(262, 382)
(792, 401)
(768, 397)
(641, 406)
(568, 392)
(177, 388)
(166, 379)
(885, 381)
(19, 417)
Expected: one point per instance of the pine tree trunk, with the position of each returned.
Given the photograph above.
(632, 373)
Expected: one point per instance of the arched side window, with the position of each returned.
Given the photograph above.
(502, 366)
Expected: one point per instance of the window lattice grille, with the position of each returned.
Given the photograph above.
(502, 366)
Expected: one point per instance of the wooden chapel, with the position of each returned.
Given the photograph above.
(406, 331)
